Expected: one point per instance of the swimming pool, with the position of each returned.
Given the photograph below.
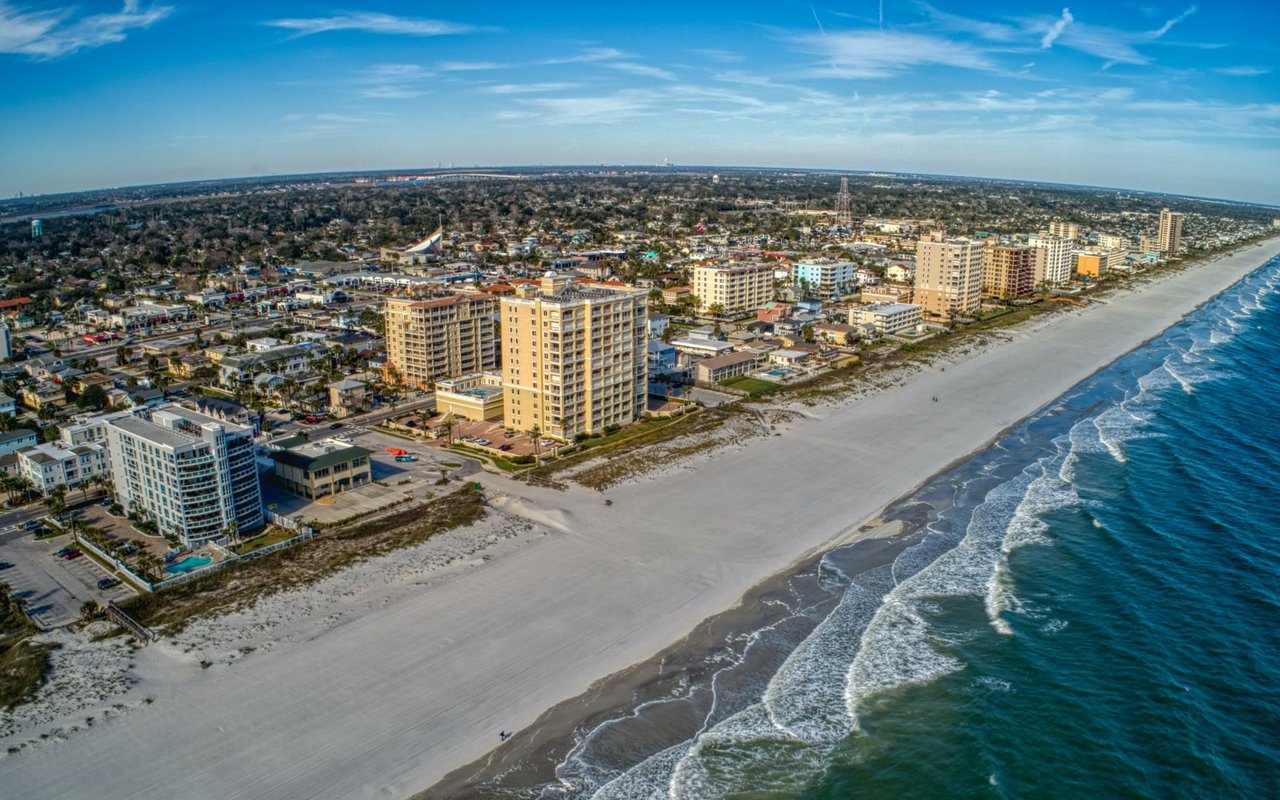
(189, 564)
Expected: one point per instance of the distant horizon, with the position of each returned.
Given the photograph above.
(637, 166)
(1166, 96)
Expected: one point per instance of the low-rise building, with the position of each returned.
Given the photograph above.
(7, 404)
(836, 333)
(323, 468)
(886, 318)
(347, 397)
(711, 371)
(472, 397)
(887, 293)
(15, 440)
(52, 464)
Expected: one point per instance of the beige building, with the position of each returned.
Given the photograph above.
(429, 340)
(1008, 272)
(948, 276)
(1170, 232)
(573, 357)
(472, 397)
(1064, 229)
(887, 293)
(346, 397)
(733, 289)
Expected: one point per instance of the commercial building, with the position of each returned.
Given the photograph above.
(825, 278)
(1008, 272)
(574, 356)
(473, 397)
(429, 340)
(1054, 261)
(51, 464)
(732, 289)
(948, 276)
(887, 318)
(1093, 265)
(1170, 232)
(323, 468)
(193, 475)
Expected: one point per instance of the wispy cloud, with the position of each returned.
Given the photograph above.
(528, 88)
(643, 70)
(718, 55)
(393, 81)
(1168, 26)
(1242, 72)
(371, 22)
(468, 66)
(872, 54)
(1055, 30)
(591, 55)
(51, 33)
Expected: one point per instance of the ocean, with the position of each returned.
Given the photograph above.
(1088, 608)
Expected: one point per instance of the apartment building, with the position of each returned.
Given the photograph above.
(887, 318)
(574, 358)
(194, 476)
(1008, 271)
(826, 278)
(52, 464)
(444, 337)
(948, 276)
(1064, 230)
(1170, 232)
(1054, 260)
(732, 289)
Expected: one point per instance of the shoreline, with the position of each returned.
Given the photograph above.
(395, 699)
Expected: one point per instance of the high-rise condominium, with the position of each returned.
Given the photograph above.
(1170, 232)
(573, 357)
(948, 276)
(444, 337)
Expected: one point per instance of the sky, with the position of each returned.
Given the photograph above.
(1164, 96)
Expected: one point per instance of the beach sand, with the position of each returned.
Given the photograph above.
(416, 676)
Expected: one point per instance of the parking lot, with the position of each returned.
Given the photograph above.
(402, 479)
(54, 588)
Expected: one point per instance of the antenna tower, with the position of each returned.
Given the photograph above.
(844, 214)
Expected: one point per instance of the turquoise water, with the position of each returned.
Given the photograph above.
(189, 564)
(1091, 611)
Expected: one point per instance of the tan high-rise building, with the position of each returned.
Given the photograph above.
(948, 276)
(574, 357)
(444, 337)
(1007, 271)
(1064, 229)
(734, 289)
(1170, 232)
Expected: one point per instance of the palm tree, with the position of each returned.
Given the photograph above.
(23, 484)
(535, 433)
(56, 501)
(449, 424)
(6, 592)
(89, 610)
(8, 422)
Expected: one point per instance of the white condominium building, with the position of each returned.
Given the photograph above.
(948, 276)
(1171, 231)
(732, 289)
(886, 318)
(574, 357)
(49, 465)
(194, 476)
(1054, 260)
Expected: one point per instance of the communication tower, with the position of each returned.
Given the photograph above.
(844, 212)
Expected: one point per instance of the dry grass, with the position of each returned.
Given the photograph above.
(241, 584)
(23, 664)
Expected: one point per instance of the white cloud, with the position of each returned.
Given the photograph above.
(872, 54)
(643, 70)
(370, 22)
(468, 66)
(1242, 72)
(527, 88)
(393, 81)
(591, 55)
(1165, 28)
(53, 33)
(1051, 35)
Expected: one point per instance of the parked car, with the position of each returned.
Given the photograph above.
(72, 554)
(63, 552)
(104, 502)
(504, 447)
(33, 523)
(108, 583)
(406, 458)
(482, 442)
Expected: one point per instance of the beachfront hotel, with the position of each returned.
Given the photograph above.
(429, 340)
(948, 276)
(195, 476)
(732, 289)
(574, 356)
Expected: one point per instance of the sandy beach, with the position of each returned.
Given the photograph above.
(379, 682)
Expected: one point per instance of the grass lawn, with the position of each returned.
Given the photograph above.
(276, 535)
(753, 386)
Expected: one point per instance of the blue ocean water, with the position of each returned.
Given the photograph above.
(1093, 610)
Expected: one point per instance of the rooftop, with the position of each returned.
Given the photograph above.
(324, 453)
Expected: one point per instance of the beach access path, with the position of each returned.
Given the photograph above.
(384, 705)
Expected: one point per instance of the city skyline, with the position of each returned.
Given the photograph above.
(1169, 97)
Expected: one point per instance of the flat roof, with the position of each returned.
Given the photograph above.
(324, 453)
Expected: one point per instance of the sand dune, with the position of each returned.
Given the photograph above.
(404, 690)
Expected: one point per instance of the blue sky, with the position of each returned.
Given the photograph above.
(1166, 96)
